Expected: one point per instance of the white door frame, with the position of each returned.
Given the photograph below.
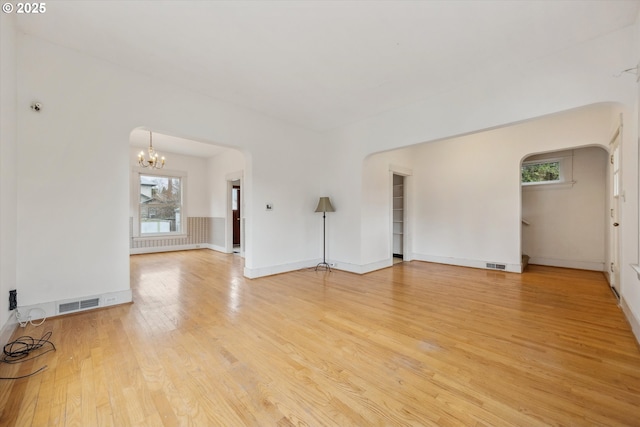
(231, 178)
(615, 191)
(407, 173)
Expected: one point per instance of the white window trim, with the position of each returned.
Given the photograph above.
(135, 203)
(566, 174)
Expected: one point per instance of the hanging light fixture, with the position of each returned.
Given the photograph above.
(153, 161)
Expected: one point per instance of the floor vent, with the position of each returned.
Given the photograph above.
(68, 307)
(496, 266)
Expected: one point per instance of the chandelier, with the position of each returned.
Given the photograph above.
(153, 161)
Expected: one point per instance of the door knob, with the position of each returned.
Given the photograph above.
(615, 224)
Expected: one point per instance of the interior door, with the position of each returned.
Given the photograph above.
(235, 208)
(616, 175)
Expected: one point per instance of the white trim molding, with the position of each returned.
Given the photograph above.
(568, 263)
(634, 322)
(363, 268)
(474, 263)
(254, 273)
(48, 309)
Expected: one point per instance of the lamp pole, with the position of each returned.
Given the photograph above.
(324, 206)
(324, 243)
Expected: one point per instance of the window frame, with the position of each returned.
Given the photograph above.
(565, 166)
(136, 205)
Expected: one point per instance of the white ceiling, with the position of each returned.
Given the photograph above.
(323, 64)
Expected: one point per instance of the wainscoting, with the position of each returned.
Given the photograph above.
(201, 232)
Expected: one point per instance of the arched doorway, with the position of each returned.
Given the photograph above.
(564, 203)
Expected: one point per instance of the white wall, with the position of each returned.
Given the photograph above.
(465, 191)
(508, 94)
(377, 175)
(630, 215)
(291, 178)
(80, 140)
(567, 222)
(8, 172)
(468, 208)
(226, 166)
(221, 167)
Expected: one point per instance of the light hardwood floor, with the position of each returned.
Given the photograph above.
(416, 344)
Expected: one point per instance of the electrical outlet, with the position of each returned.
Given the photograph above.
(13, 299)
(110, 300)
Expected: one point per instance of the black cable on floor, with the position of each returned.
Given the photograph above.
(18, 351)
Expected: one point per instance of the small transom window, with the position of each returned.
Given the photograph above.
(541, 172)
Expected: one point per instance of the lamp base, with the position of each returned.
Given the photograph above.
(323, 265)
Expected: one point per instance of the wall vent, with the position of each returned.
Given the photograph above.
(494, 266)
(68, 307)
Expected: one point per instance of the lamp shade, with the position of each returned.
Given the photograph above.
(324, 205)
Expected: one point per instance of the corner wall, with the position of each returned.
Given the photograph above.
(230, 165)
(8, 173)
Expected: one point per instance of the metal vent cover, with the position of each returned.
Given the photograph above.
(89, 303)
(67, 307)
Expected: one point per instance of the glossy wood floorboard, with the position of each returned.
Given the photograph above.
(418, 344)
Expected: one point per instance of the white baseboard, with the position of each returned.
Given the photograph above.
(631, 318)
(217, 248)
(254, 273)
(170, 248)
(474, 263)
(364, 268)
(49, 309)
(566, 263)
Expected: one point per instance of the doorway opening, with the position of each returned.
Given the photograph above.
(235, 223)
(564, 197)
(398, 218)
(235, 210)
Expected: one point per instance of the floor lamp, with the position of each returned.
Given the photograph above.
(324, 206)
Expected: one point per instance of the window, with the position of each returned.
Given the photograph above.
(540, 172)
(160, 205)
